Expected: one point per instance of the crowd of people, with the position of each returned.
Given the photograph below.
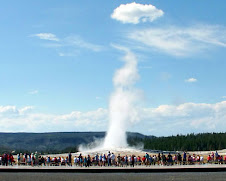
(110, 159)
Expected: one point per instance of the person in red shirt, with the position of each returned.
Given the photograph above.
(143, 160)
(208, 159)
(224, 158)
(11, 159)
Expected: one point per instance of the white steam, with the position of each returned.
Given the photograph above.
(123, 101)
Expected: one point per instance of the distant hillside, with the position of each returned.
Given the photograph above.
(62, 142)
(54, 142)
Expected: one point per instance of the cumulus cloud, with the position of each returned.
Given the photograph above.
(8, 110)
(135, 13)
(25, 119)
(13, 111)
(186, 118)
(160, 121)
(224, 97)
(181, 41)
(47, 36)
(25, 110)
(191, 80)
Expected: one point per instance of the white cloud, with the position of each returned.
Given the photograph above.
(25, 110)
(47, 36)
(77, 41)
(181, 41)
(13, 119)
(8, 110)
(185, 118)
(135, 13)
(68, 46)
(13, 111)
(224, 97)
(33, 92)
(161, 120)
(191, 80)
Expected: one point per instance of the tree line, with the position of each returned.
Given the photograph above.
(191, 142)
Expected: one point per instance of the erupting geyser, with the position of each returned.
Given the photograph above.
(122, 106)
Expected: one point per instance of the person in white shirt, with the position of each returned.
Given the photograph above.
(75, 161)
(0, 160)
(201, 159)
(113, 158)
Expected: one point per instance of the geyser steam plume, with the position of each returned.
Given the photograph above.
(123, 101)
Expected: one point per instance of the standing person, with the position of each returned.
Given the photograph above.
(25, 158)
(179, 158)
(69, 159)
(109, 158)
(18, 159)
(147, 159)
(201, 159)
(132, 160)
(43, 161)
(66, 161)
(209, 159)
(175, 159)
(129, 160)
(113, 159)
(184, 157)
(48, 160)
(21, 158)
(139, 160)
(32, 159)
(212, 156)
(10, 161)
(96, 160)
(159, 159)
(170, 159)
(118, 160)
(224, 159)
(75, 161)
(36, 158)
(100, 160)
(88, 160)
(7, 159)
(154, 159)
(80, 159)
(126, 160)
(216, 156)
(104, 159)
(29, 159)
(135, 160)
(163, 159)
(143, 160)
(85, 161)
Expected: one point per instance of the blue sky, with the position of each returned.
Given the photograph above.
(58, 60)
